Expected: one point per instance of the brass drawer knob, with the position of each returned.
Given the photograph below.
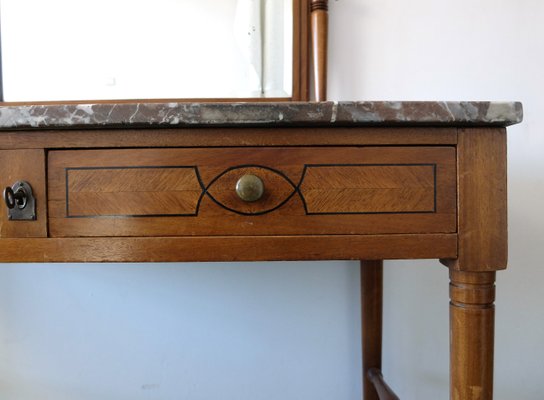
(250, 188)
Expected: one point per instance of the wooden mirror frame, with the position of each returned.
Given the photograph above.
(310, 29)
(320, 29)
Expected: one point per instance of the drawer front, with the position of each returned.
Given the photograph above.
(307, 191)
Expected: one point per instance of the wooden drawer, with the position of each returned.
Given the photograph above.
(308, 190)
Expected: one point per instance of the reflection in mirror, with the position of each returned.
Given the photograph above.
(135, 49)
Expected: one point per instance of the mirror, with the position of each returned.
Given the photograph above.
(61, 50)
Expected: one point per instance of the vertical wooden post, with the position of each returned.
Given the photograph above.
(371, 310)
(481, 200)
(320, 27)
(482, 242)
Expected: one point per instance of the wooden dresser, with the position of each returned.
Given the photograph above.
(141, 182)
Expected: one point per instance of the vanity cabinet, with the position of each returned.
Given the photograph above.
(300, 181)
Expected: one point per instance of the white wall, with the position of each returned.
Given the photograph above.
(452, 50)
(291, 330)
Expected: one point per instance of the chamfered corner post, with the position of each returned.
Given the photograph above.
(482, 250)
(320, 27)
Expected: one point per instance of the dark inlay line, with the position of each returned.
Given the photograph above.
(68, 215)
(278, 172)
(308, 166)
(296, 190)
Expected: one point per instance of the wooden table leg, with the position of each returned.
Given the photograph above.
(472, 319)
(371, 309)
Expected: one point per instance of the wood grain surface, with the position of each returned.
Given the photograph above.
(472, 320)
(206, 137)
(382, 389)
(132, 191)
(301, 51)
(482, 201)
(277, 190)
(369, 188)
(320, 31)
(27, 165)
(396, 183)
(371, 322)
(229, 248)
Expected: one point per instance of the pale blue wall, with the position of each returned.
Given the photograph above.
(291, 331)
(179, 331)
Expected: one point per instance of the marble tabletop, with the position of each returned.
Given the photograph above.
(182, 114)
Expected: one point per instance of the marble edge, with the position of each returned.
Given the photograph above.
(174, 114)
(500, 113)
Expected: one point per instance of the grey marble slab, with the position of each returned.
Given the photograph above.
(153, 114)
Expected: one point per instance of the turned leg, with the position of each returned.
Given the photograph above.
(472, 318)
(371, 309)
(320, 26)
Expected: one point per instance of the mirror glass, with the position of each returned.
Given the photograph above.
(55, 50)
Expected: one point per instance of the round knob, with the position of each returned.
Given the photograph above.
(250, 188)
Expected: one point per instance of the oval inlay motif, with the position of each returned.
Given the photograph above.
(278, 189)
